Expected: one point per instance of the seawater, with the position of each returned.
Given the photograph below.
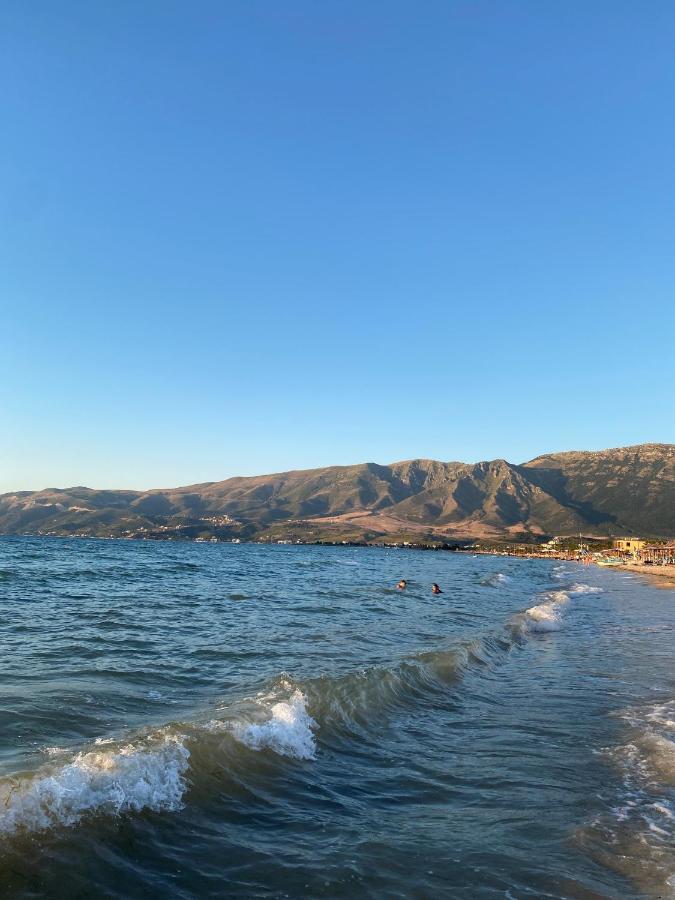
(191, 720)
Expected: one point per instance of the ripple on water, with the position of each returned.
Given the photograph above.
(399, 714)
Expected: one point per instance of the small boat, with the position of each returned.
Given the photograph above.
(610, 561)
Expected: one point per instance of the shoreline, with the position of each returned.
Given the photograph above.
(661, 576)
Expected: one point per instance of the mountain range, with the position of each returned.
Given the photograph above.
(628, 490)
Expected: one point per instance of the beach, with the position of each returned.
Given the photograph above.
(663, 576)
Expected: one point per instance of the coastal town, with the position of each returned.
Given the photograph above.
(623, 551)
(646, 557)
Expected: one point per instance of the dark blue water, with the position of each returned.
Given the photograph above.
(197, 720)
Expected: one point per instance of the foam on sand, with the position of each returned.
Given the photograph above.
(129, 778)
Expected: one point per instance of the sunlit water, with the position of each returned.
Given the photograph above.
(185, 720)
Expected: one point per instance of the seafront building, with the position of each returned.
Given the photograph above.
(653, 554)
(628, 545)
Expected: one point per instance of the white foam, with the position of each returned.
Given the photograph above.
(647, 761)
(288, 731)
(662, 715)
(495, 580)
(660, 756)
(581, 588)
(638, 838)
(546, 616)
(147, 775)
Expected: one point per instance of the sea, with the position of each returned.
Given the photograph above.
(185, 720)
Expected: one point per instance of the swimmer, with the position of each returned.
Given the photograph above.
(435, 589)
(402, 585)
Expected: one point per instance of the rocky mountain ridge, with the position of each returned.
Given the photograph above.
(627, 490)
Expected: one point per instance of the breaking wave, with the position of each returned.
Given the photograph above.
(154, 770)
(547, 615)
(289, 730)
(350, 705)
(580, 588)
(494, 580)
(128, 778)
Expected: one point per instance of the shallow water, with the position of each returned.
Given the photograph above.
(197, 720)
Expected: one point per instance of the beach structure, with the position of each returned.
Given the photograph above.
(628, 545)
(658, 554)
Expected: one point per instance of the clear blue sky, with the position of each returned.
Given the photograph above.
(241, 237)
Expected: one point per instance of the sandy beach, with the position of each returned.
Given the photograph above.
(661, 576)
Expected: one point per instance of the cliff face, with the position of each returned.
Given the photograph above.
(630, 489)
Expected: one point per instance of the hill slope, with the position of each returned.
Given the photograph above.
(630, 489)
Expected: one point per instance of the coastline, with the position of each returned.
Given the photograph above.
(659, 576)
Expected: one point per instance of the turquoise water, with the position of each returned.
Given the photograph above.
(196, 720)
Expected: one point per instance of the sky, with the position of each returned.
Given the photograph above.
(243, 237)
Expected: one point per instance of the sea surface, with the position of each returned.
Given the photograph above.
(212, 720)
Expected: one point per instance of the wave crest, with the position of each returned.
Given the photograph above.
(149, 770)
(581, 588)
(129, 778)
(546, 616)
(494, 580)
(289, 730)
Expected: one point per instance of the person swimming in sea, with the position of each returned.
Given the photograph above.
(402, 585)
(435, 589)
